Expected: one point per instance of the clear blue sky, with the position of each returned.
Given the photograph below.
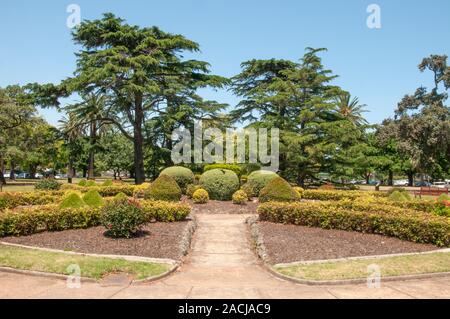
(378, 66)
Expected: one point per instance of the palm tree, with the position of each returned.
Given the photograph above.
(91, 116)
(350, 109)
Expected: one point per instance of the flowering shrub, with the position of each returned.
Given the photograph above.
(123, 218)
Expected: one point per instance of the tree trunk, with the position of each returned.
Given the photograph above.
(2, 170)
(12, 176)
(70, 171)
(139, 176)
(391, 178)
(84, 172)
(91, 165)
(367, 178)
(410, 179)
(301, 180)
(33, 169)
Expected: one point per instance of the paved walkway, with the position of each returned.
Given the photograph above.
(221, 265)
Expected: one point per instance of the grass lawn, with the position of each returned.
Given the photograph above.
(91, 267)
(357, 269)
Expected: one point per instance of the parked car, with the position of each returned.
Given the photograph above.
(423, 184)
(39, 175)
(23, 175)
(401, 182)
(440, 185)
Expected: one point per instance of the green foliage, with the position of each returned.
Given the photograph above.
(47, 184)
(164, 188)
(240, 197)
(259, 179)
(220, 183)
(83, 183)
(72, 200)
(248, 189)
(191, 188)
(278, 190)
(108, 182)
(200, 196)
(299, 190)
(123, 218)
(398, 196)
(397, 189)
(90, 183)
(120, 196)
(338, 194)
(231, 167)
(442, 198)
(161, 211)
(93, 199)
(182, 175)
(12, 200)
(407, 225)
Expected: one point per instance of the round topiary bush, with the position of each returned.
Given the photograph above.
(191, 188)
(48, 185)
(164, 188)
(248, 189)
(220, 183)
(123, 218)
(240, 197)
(93, 199)
(200, 196)
(398, 196)
(108, 182)
(90, 183)
(278, 190)
(82, 182)
(182, 175)
(231, 167)
(259, 179)
(72, 200)
(120, 196)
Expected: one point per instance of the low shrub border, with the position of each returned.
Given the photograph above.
(13, 200)
(405, 224)
(338, 194)
(31, 220)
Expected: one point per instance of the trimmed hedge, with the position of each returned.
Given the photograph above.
(104, 191)
(182, 175)
(30, 220)
(12, 200)
(47, 184)
(338, 194)
(278, 190)
(259, 179)
(220, 183)
(164, 188)
(404, 224)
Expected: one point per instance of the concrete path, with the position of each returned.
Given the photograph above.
(221, 265)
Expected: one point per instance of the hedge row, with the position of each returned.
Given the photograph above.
(104, 191)
(12, 200)
(338, 194)
(404, 224)
(30, 220)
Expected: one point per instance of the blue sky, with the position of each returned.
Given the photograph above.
(378, 66)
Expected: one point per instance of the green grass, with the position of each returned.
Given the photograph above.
(91, 267)
(357, 269)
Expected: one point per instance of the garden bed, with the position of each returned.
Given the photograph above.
(291, 243)
(157, 240)
(222, 207)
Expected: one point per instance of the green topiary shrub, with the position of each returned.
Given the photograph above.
(191, 188)
(220, 183)
(82, 182)
(182, 175)
(398, 196)
(259, 179)
(72, 200)
(278, 190)
(231, 167)
(164, 188)
(120, 196)
(90, 183)
(248, 189)
(200, 196)
(240, 197)
(108, 182)
(123, 218)
(47, 184)
(93, 199)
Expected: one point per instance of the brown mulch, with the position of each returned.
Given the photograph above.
(158, 240)
(291, 243)
(219, 207)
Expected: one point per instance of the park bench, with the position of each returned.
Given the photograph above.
(431, 191)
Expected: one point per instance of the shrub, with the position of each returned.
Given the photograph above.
(165, 211)
(182, 175)
(93, 199)
(72, 200)
(200, 196)
(240, 197)
(120, 196)
(123, 218)
(220, 183)
(327, 186)
(12, 200)
(338, 194)
(398, 196)
(90, 183)
(278, 190)
(231, 167)
(164, 188)
(191, 188)
(82, 183)
(443, 198)
(259, 179)
(299, 191)
(396, 189)
(407, 225)
(248, 189)
(47, 184)
(139, 190)
(108, 182)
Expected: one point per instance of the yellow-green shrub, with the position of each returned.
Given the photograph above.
(182, 175)
(240, 197)
(164, 188)
(278, 190)
(338, 194)
(162, 211)
(191, 188)
(12, 200)
(92, 198)
(404, 224)
(200, 196)
(259, 179)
